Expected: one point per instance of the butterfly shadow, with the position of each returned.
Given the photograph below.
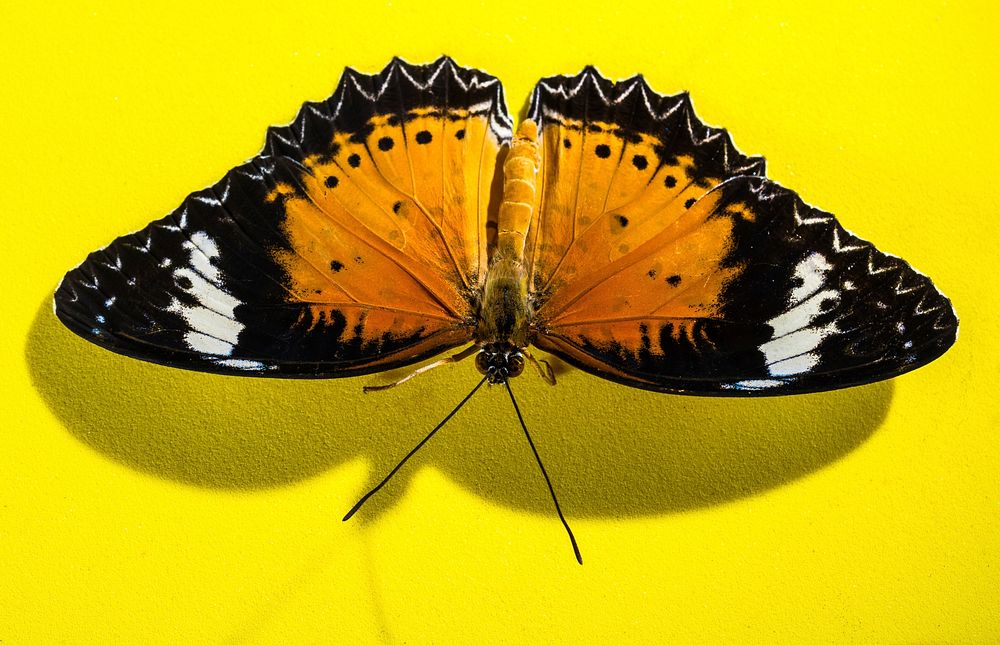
(612, 451)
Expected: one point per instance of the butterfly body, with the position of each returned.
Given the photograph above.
(505, 313)
(503, 318)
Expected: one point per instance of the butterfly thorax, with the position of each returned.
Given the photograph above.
(504, 313)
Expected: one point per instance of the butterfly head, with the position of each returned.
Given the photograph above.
(500, 361)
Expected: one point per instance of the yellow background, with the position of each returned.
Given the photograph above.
(143, 504)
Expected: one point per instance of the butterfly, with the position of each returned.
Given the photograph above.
(404, 216)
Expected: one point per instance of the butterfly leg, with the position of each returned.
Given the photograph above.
(543, 367)
(454, 358)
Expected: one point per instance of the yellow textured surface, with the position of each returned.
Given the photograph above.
(142, 504)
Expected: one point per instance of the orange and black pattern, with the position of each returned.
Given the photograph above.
(655, 254)
(663, 258)
(351, 244)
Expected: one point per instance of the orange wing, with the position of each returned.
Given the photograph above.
(661, 258)
(353, 243)
(620, 164)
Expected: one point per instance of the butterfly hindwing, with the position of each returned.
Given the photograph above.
(701, 276)
(325, 255)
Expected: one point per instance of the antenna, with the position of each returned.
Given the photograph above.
(576, 549)
(416, 448)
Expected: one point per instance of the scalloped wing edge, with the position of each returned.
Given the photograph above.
(660, 112)
(281, 138)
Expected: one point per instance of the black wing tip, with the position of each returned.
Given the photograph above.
(72, 307)
(63, 301)
(919, 304)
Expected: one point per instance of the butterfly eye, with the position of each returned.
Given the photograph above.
(516, 365)
(481, 363)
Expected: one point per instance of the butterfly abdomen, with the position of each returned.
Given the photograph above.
(519, 172)
(504, 312)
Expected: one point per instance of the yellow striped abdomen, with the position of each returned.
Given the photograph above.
(519, 172)
(504, 312)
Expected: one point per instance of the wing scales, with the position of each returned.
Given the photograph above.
(314, 258)
(621, 163)
(658, 255)
(792, 312)
(691, 273)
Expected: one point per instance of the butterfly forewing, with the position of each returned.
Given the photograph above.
(670, 263)
(620, 164)
(352, 244)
